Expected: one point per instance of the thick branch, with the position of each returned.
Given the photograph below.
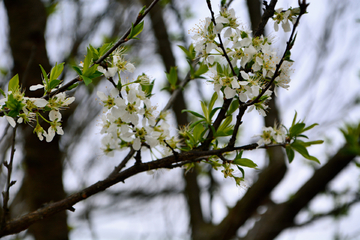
(281, 216)
(22, 223)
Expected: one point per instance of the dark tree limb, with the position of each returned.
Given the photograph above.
(281, 216)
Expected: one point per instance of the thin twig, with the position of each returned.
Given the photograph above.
(122, 40)
(303, 7)
(242, 110)
(180, 88)
(9, 183)
(123, 163)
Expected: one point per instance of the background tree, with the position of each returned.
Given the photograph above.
(202, 220)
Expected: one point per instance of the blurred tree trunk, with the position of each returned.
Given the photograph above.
(43, 166)
(192, 189)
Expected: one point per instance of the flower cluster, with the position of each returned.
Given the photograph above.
(270, 135)
(129, 120)
(253, 58)
(117, 64)
(19, 109)
(285, 17)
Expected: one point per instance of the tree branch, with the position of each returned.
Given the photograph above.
(23, 222)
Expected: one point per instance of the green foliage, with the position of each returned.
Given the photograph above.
(172, 78)
(245, 162)
(136, 30)
(52, 81)
(233, 106)
(89, 70)
(351, 134)
(14, 105)
(190, 53)
(296, 131)
(14, 84)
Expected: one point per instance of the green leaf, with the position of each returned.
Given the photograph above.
(296, 129)
(213, 112)
(90, 72)
(187, 53)
(87, 60)
(44, 75)
(310, 127)
(14, 83)
(56, 71)
(245, 162)
(147, 88)
(77, 69)
(142, 11)
(233, 106)
(225, 129)
(172, 76)
(136, 30)
(205, 111)
(196, 123)
(201, 70)
(14, 105)
(294, 119)
(198, 132)
(241, 170)
(193, 113)
(73, 86)
(308, 144)
(357, 164)
(213, 100)
(300, 148)
(86, 79)
(2, 92)
(290, 153)
(54, 83)
(104, 48)
(95, 52)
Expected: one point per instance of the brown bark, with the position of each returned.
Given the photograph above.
(43, 166)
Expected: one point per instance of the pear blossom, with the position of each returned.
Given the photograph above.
(55, 126)
(109, 72)
(11, 121)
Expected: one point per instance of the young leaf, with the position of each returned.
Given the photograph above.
(172, 77)
(198, 132)
(245, 162)
(86, 79)
(300, 148)
(56, 71)
(241, 170)
(225, 129)
(296, 129)
(206, 112)
(290, 153)
(87, 60)
(14, 83)
(54, 83)
(294, 120)
(213, 112)
(310, 127)
(77, 69)
(193, 113)
(201, 70)
(73, 86)
(213, 100)
(104, 48)
(233, 106)
(2, 92)
(136, 30)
